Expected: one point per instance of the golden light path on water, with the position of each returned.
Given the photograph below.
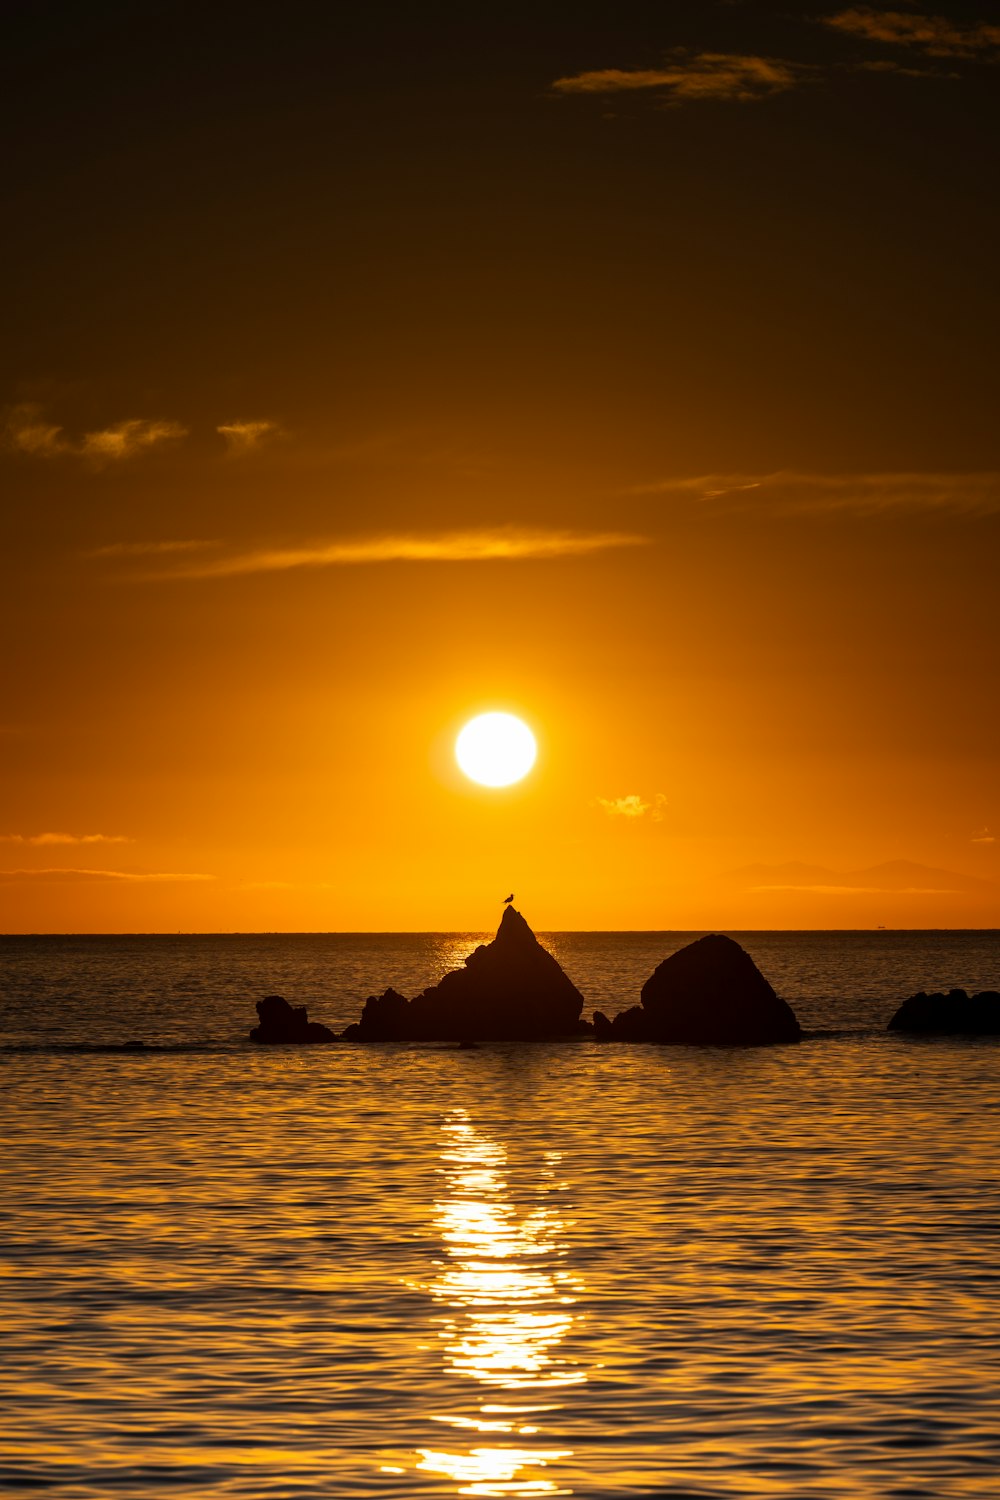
(507, 1300)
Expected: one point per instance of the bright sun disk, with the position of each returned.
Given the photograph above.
(496, 749)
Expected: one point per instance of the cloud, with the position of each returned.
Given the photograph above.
(39, 839)
(899, 70)
(936, 36)
(983, 837)
(25, 430)
(633, 806)
(242, 437)
(501, 544)
(128, 438)
(147, 549)
(790, 493)
(624, 807)
(13, 877)
(689, 76)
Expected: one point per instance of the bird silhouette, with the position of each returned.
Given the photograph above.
(508, 899)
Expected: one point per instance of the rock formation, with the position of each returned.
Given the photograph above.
(282, 1024)
(955, 1014)
(511, 989)
(385, 1018)
(710, 993)
(627, 1026)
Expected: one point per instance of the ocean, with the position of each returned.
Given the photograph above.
(517, 1270)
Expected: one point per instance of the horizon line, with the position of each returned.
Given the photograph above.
(466, 931)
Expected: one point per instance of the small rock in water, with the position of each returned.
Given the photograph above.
(956, 1014)
(282, 1024)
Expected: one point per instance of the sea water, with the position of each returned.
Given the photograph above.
(516, 1270)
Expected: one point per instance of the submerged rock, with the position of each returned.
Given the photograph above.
(955, 1014)
(511, 989)
(282, 1024)
(710, 993)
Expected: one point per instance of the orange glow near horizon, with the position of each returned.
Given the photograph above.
(244, 758)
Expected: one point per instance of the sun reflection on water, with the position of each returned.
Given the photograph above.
(508, 1300)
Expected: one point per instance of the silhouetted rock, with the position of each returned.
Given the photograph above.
(957, 1013)
(282, 1024)
(383, 1019)
(510, 989)
(630, 1025)
(710, 993)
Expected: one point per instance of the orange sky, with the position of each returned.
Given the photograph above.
(370, 375)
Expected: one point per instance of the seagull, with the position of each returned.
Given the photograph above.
(508, 899)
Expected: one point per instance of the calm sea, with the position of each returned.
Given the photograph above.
(549, 1270)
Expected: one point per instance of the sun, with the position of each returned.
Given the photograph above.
(496, 749)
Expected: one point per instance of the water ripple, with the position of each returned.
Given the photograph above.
(536, 1271)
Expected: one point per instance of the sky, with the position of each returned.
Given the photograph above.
(629, 367)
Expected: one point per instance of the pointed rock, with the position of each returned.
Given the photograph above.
(509, 989)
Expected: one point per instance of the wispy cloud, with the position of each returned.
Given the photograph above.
(148, 549)
(788, 492)
(243, 437)
(689, 76)
(633, 806)
(13, 877)
(983, 837)
(900, 70)
(499, 545)
(40, 839)
(27, 430)
(126, 439)
(935, 36)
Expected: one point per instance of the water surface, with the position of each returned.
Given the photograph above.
(546, 1270)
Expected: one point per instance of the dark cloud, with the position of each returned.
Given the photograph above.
(934, 35)
(692, 76)
(863, 494)
(26, 430)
